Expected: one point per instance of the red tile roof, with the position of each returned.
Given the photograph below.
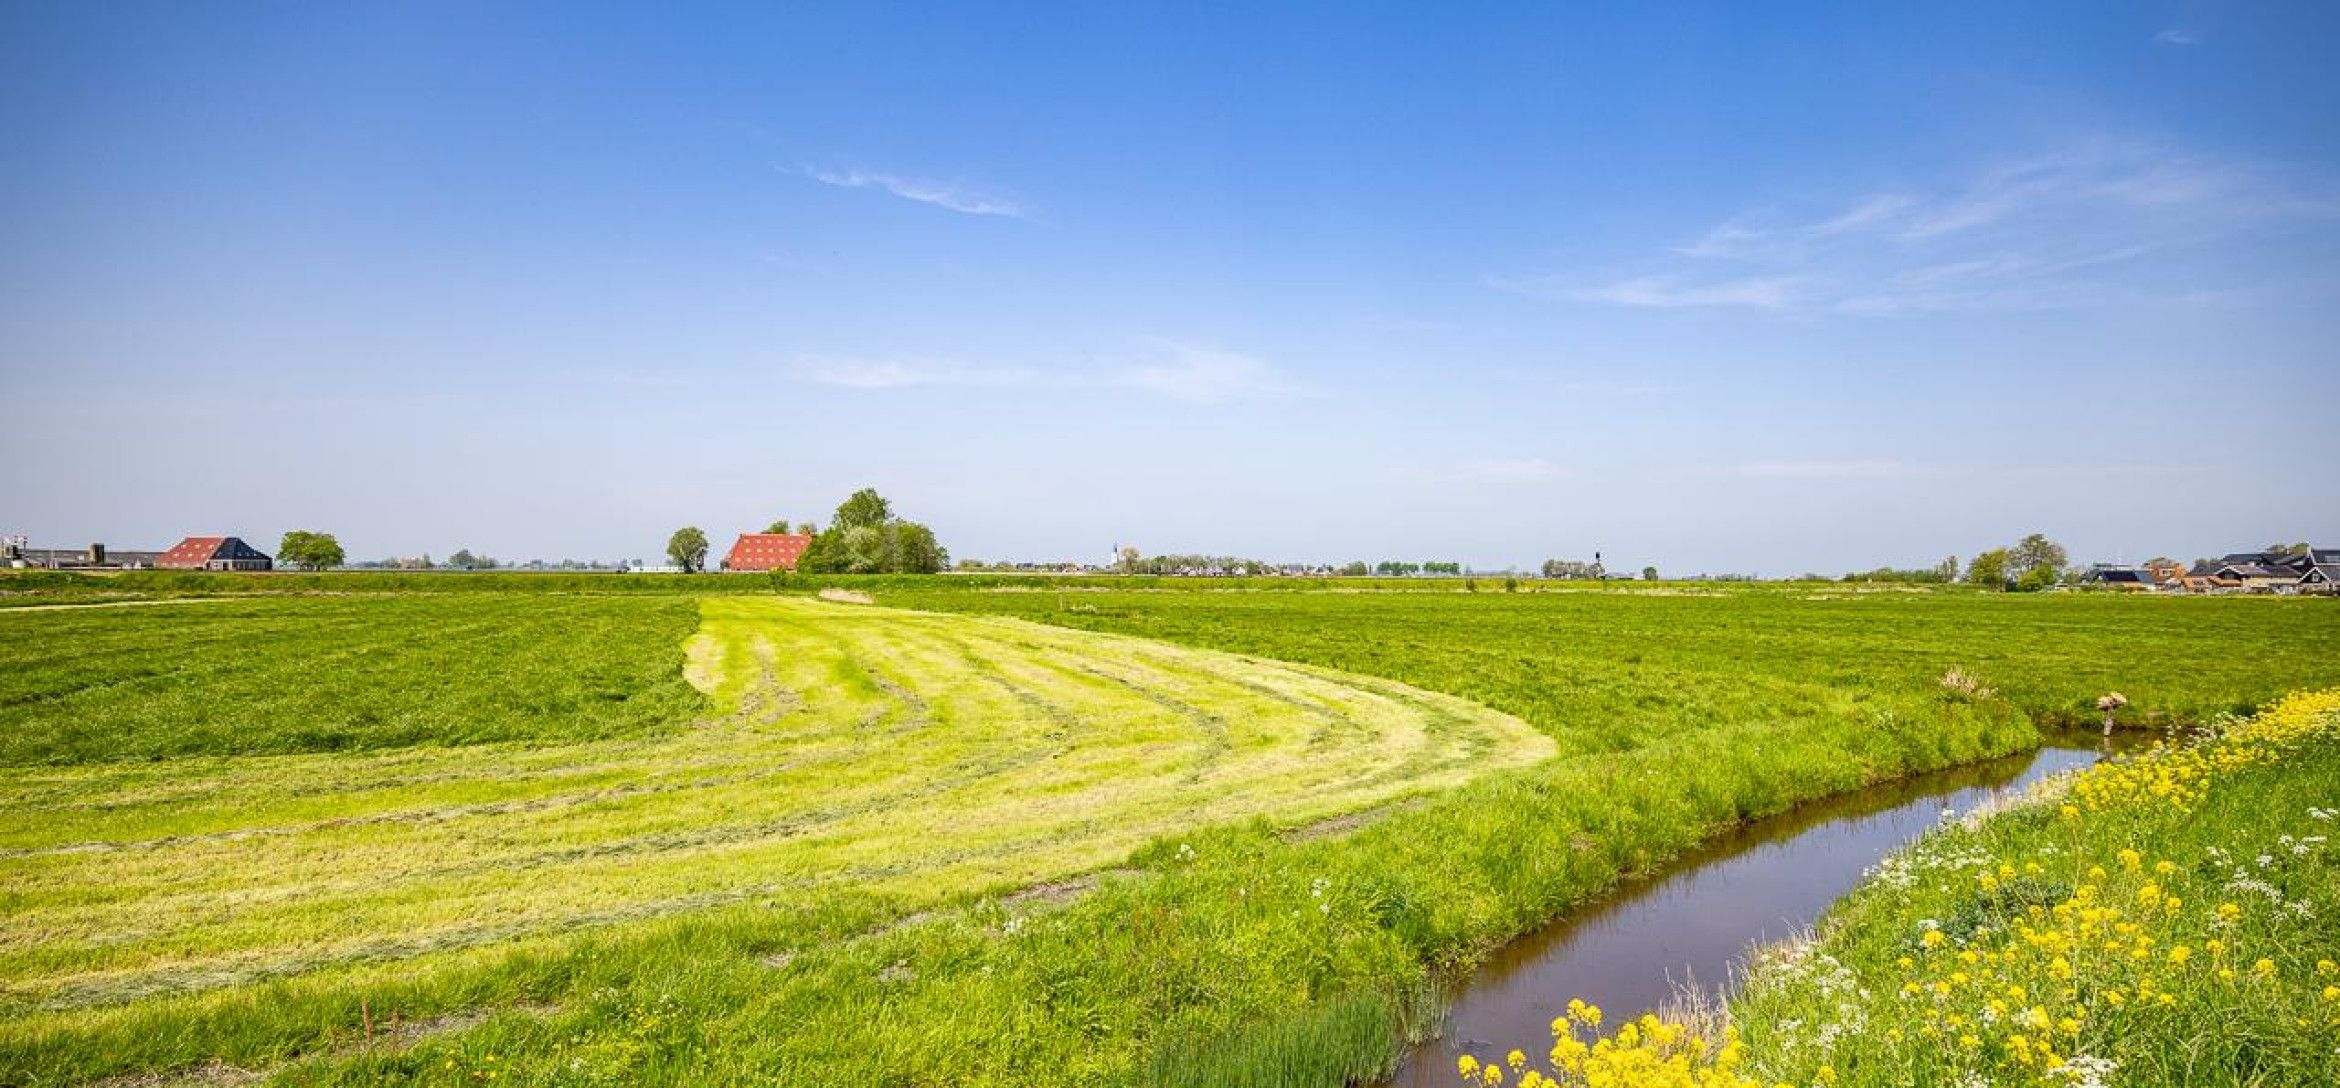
(191, 553)
(765, 551)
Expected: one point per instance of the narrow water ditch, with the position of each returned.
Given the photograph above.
(1697, 919)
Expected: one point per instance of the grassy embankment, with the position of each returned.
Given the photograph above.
(192, 876)
(2166, 920)
(1236, 955)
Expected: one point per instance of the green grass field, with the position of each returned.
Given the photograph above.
(664, 838)
(1623, 667)
(267, 675)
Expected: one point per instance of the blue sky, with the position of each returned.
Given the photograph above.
(1746, 288)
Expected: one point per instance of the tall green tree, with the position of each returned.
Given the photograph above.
(913, 549)
(688, 548)
(310, 550)
(2033, 552)
(1989, 569)
(863, 507)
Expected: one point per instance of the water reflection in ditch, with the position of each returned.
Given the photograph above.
(1699, 916)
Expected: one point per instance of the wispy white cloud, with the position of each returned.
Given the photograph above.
(2177, 36)
(1494, 471)
(940, 195)
(860, 373)
(2088, 223)
(1204, 375)
(1760, 292)
(1167, 369)
(1741, 238)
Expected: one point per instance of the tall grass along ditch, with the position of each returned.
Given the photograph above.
(2159, 920)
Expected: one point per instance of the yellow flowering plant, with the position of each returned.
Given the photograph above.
(2162, 919)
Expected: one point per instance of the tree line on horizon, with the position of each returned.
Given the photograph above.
(865, 536)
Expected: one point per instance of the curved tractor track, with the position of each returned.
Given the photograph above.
(920, 757)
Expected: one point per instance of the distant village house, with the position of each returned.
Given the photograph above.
(2112, 576)
(2316, 570)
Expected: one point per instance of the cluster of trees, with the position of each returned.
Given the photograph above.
(1942, 573)
(1399, 568)
(464, 560)
(1128, 561)
(865, 537)
(2034, 563)
(310, 550)
(1574, 569)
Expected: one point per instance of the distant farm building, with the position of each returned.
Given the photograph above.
(2119, 577)
(767, 551)
(2315, 570)
(213, 553)
(94, 557)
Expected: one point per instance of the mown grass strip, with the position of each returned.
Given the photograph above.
(957, 757)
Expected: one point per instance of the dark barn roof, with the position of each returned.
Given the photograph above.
(196, 552)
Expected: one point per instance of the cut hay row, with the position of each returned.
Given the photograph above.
(913, 756)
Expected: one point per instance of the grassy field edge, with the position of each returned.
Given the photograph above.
(2160, 919)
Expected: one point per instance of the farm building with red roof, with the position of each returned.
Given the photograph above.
(213, 553)
(767, 551)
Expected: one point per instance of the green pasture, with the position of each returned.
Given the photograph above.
(199, 677)
(910, 759)
(1627, 667)
(820, 843)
